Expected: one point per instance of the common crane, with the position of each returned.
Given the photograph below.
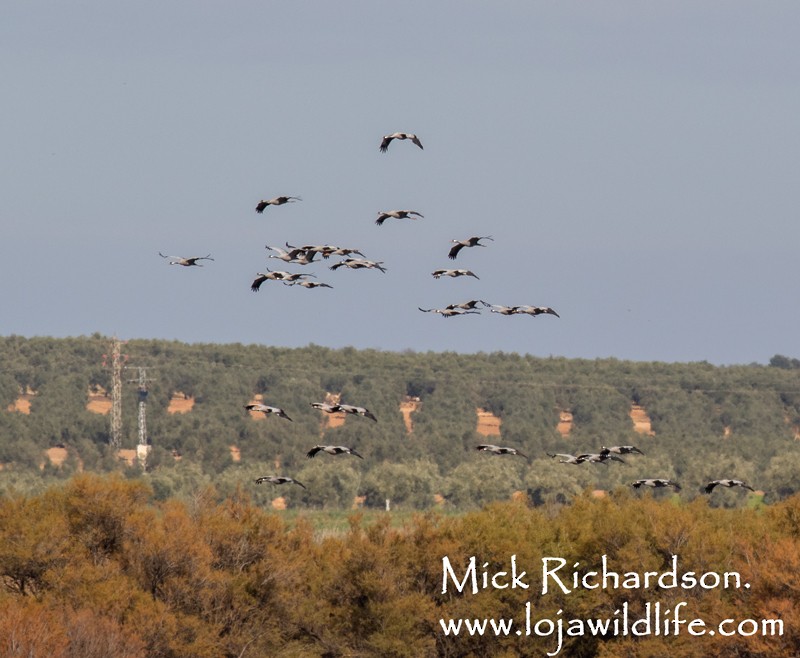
(620, 450)
(454, 273)
(359, 263)
(396, 214)
(277, 201)
(474, 241)
(356, 411)
(727, 483)
(536, 310)
(499, 450)
(387, 139)
(186, 262)
(326, 250)
(295, 255)
(279, 479)
(333, 450)
(567, 459)
(448, 312)
(469, 305)
(327, 408)
(267, 410)
(656, 483)
(307, 284)
(503, 310)
(599, 458)
(272, 275)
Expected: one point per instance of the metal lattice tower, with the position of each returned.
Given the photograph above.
(116, 394)
(143, 446)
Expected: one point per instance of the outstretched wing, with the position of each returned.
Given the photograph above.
(385, 143)
(415, 140)
(313, 451)
(454, 251)
(257, 282)
(261, 206)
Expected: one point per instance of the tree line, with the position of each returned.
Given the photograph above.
(708, 421)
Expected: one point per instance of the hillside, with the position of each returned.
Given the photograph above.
(694, 422)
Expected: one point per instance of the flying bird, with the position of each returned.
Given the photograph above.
(359, 263)
(332, 450)
(499, 450)
(271, 275)
(186, 262)
(503, 310)
(396, 214)
(599, 458)
(567, 459)
(387, 139)
(356, 411)
(454, 273)
(727, 483)
(536, 310)
(307, 284)
(277, 201)
(469, 305)
(620, 450)
(469, 242)
(278, 479)
(448, 312)
(267, 410)
(656, 483)
(327, 408)
(294, 255)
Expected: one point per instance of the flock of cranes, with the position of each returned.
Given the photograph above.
(307, 254)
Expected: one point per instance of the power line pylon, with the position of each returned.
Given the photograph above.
(143, 446)
(115, 439)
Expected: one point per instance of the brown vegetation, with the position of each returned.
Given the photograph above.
(98, 568)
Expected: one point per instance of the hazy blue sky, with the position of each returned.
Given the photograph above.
(636, 164)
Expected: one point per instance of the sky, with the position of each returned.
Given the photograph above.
(635, 164)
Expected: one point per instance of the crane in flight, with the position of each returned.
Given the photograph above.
(277, 201)
(186, 262)
(387, 139)
(474, 241)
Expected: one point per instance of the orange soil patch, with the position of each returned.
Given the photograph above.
(23, 403)
(488, 423)
(180, 403)
(128, 456)
(358, 502)
(236, 454)
(726, 432)
(279, 503)
(599, 493)
(408, 407)
(564, 426)
(438, 499)
(57, 456)
(641, 421)
(99, 401)
(519, 497)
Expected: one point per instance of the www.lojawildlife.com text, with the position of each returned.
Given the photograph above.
(656, 618)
